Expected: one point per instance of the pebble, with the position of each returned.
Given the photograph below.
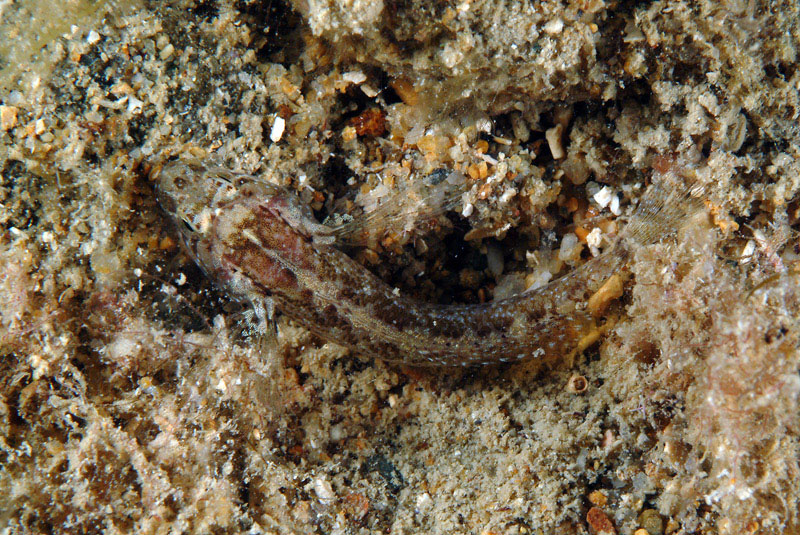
(278, 127)
(8, 117)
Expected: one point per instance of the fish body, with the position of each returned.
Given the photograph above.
(262, 245)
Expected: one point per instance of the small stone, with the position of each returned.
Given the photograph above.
(598, 498)
(166, 52)
(349, 133)
(599, 522)
(424, 501)
(593, 240)
(570, 249)
(8, 117)
(553, 136)
(122, 88)
(278, 127)
(323, 490)
(354, 77)
(614, 206)
(368, 90)
(651, 522)
(554, 27)
(134, 105)
(370, 122)
(356, 505)
(604, 196)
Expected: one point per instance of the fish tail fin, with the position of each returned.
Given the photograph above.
(664, 209)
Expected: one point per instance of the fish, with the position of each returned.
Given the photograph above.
(263, 246)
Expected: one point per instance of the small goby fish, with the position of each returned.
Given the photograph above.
(263, 245)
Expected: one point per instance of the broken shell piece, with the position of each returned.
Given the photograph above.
(553, 136)
(577, 384)
(278, 127)
(604, 196)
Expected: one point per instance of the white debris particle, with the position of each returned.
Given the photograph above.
(181, 280)
(488, 159)
(368, 90)
(323, 490)
(614, 206)
(424, 501)
(47, 237)
(40, 366)
(93, 37)
(337, 433)
(604, 196)
(570, 248)
(166, 52)
(508, 195)
(468, 209)
(134, 104)
(593, 240)
(451, 55)
(227, 468)
(554, 27)
(121, 348)
(277, 129)
(354, 77)
(747, 252)
(484, 124)
(553, 136)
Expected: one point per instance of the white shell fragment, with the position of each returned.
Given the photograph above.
(277, 129)
(553, 136)
(593, 240)
(604, 196)
(93, 37)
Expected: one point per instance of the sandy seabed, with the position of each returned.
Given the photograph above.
(134, 396)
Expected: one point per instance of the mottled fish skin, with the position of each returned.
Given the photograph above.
(260, 243)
